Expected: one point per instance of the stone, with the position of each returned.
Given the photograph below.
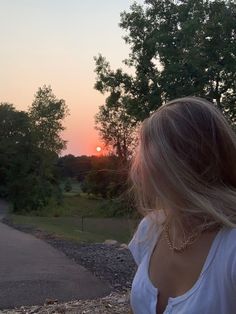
(60, 309)
(121, 300)
(50, 301)
(35, 309)
(111, 242)
(114, 303)
(124, 246)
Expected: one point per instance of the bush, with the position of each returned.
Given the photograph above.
(68, 186)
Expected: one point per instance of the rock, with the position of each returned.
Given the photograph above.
(121, 300)
(35, 309)
(111, 242)
(124, 246)
(60, 309)
(50, 301)
(114, 303)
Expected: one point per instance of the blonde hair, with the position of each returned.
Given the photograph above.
(186, 161)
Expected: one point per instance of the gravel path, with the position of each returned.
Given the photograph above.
(114, 303)
(108, 262)
(111, 263)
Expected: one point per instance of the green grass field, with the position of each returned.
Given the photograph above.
(65, 220)
(93, 229)
(74, 205)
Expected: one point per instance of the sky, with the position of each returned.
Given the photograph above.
(53, 42)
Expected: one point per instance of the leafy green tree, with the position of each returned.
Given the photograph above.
(117, 130)
(67, 166)
(84, 165)
(116, 127)
(107, 177)
(68, 186)
(29, 144)
(177, 48)
(47, 114)
(15, 137)
(74, 167)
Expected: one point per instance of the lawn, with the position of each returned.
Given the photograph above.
(93, 229)
(77, 205)
(81, 218)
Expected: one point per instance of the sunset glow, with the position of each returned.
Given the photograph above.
(53, 43)
(98, 149)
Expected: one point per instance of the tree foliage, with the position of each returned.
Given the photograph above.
(15, 138)
(102, 176)
(46, 114)
(71, 166)
(106, 177)
(117, 130)
(29, 144)
(177, 48)
(116, 127)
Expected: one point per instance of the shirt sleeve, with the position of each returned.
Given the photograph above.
(233, 269)
(229, 258)
(138, 245)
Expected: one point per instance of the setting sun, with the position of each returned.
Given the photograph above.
(98, 149)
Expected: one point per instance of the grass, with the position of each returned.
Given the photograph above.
(93, 230)
(77, 205)
(65, 220)
(82, 205)
(75, 188)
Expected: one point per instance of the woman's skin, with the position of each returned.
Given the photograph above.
(175, 273)
(172, 272)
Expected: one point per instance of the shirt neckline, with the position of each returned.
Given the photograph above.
(206, 265)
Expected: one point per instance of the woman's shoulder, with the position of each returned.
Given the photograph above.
(230, 238)
(143, 227)
(144, 236)
(227, 258)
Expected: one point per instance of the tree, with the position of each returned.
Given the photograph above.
(47, 113)
(67, 166)
(29, 144)
(15, 138)
(106, 177)
(116, 129)
(178, 48)
(115, 125)
(194, 43)
(68, 185)
(46, 116)
(74, 167)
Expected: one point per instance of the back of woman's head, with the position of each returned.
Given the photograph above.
(185, 162)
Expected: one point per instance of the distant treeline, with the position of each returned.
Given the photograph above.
(105, 176)
(31, 171)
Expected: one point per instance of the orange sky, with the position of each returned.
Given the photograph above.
(53, 42)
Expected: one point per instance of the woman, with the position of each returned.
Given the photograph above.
(184, 174)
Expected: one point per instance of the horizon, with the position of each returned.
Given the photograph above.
(54, 43)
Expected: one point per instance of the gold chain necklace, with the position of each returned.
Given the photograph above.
(192, 238)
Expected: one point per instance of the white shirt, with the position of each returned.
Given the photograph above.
(213, 293)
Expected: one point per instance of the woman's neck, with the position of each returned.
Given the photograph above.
(181, 228)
